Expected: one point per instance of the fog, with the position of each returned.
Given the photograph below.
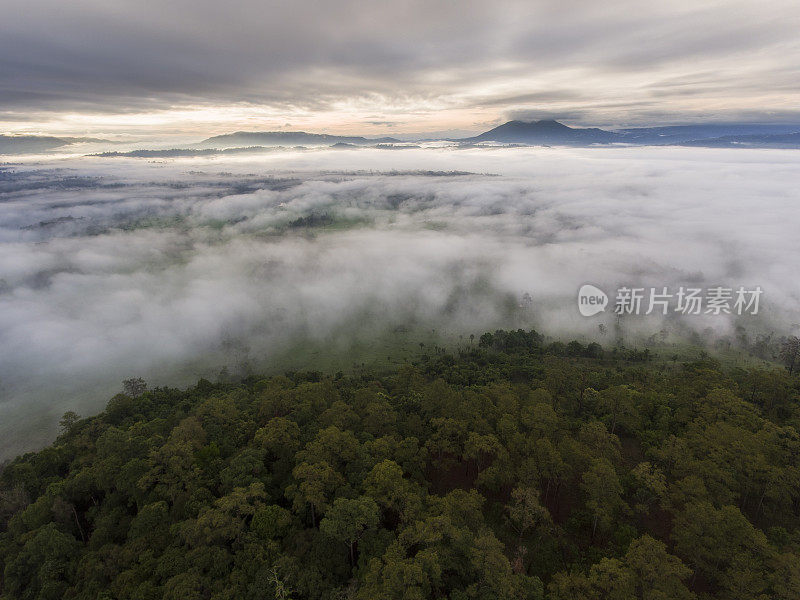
(171, 270)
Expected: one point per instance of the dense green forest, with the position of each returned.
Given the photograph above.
(509, 469)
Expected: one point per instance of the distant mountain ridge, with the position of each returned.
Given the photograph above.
(546, 132)
(288, 138)
(680, 134)
(187, 152)
(787, 140)
(22, 144)
(549, 132)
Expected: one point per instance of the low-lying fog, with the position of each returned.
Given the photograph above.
(169, 270)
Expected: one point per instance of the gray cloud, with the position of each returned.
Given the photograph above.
(124, 56)
(547, 96)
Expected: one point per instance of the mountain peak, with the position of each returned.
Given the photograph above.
(550, 123)
(544, 131)
(542, 123)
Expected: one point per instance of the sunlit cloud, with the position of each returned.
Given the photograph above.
(193, 69)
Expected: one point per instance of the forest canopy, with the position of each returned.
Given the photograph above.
(510, 469)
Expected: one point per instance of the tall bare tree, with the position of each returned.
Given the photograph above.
(790, 353)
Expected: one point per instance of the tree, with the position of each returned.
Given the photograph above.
(722, 545)
(790, 353)
(619, 406)
(610, 579)
(603, 492)
(569, 586)
(282, 591)
(174, 472)
(481, 449)
(134, 387)
(68, 421)
(651, 486)
(271, 522)
(785, 582)
(657, 574)
(279, 436)
(646, 572)
(43, 568)
(348, 519)
(526, 513)
(387, 486)
(380, 417)
(316, 482)
(333, 446)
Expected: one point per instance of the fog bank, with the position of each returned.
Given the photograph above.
(171, 270)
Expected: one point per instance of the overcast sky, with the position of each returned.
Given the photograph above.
(198, 67)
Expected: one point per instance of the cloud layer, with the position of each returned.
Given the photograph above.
(415, 66)
(113, 268)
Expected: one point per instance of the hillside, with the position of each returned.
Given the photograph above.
(509, 470)
(287, 138)
(30, 144)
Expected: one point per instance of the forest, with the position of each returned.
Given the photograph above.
(512, 468)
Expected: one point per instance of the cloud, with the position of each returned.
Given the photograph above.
(170, 270)
(431, 64)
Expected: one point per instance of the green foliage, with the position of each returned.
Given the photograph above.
(514, 469)
(348, 519)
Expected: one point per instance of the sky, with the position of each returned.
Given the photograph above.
(125, 69)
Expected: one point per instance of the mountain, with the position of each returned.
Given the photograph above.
(287, 138)
(188, 152)
(681, 134)
(713, 135)
(32, 144)
(787, 140)
(544, 132)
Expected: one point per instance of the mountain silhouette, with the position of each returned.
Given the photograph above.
(544, 132)
(31, 144)
(287, 138)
